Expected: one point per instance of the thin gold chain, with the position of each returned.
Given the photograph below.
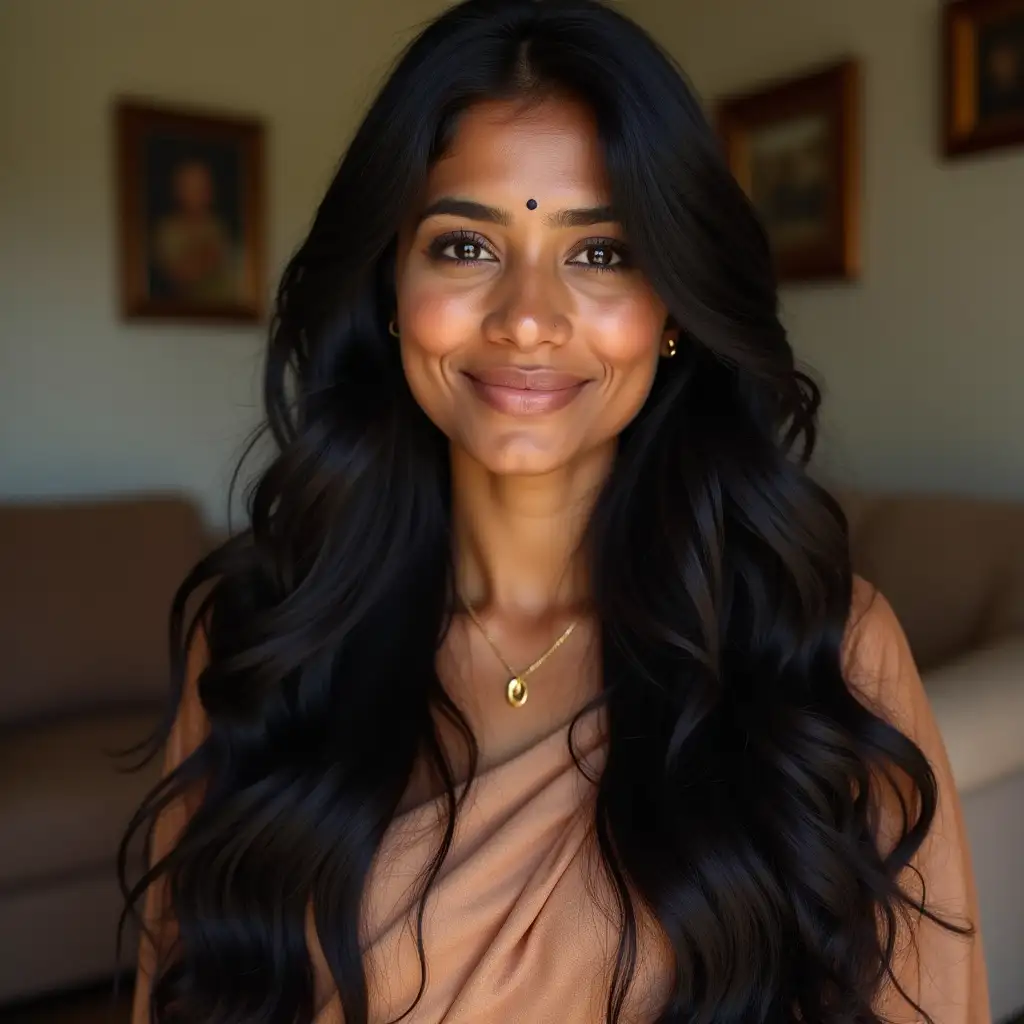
(516, 690)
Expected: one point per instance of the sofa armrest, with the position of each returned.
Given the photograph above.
(978, 701)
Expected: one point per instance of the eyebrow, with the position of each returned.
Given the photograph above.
(493, 215)
(581, 218)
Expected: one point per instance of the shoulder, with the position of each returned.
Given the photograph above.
(191, 724)
(932, 963)
(877, 661)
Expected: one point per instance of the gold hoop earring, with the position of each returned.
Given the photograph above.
(671, 348)
(393, 328)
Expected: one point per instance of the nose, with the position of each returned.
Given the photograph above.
(531, 309)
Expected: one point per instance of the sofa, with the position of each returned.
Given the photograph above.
(83, 630)
(953, 570)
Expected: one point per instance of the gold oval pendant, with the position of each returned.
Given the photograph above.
(516, 692)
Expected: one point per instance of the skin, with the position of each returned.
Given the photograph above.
(532, 294)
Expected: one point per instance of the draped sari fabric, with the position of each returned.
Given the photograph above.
(521, 924)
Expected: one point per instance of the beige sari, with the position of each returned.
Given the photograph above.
(520, 927)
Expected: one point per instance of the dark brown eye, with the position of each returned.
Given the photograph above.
(464, 251)
(461, 248)
(600, 255)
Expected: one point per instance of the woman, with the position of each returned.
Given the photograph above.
(540, 688)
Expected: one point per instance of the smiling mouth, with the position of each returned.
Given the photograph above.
(525, 391)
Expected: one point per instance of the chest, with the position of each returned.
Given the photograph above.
(519, 925)
(478, 682)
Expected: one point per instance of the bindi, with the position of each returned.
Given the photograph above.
(531, 204)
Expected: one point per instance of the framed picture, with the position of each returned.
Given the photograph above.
(984, 72)
(190, 206)
(794, 146)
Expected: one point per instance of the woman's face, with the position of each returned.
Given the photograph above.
(527, 335)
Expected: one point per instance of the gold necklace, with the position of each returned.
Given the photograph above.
(516, 692)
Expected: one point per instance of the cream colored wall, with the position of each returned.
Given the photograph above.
(89, 404)
(924, 358)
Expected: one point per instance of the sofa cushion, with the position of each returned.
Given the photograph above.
(64, 802)
(952, 568)
(85, 601)
(978, 702)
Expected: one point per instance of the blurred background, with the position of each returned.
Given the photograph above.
(159, 162)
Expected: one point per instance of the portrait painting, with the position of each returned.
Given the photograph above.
(789, 180)
(984, 71)
(190, 189)
(793, 146)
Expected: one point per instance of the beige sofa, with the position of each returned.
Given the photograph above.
(83, 630)
(953, 569)
(83, 624)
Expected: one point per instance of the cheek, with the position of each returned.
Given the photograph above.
(627, 338)
(428, 333)
(625, 323)
(434, 325)
(436, 320)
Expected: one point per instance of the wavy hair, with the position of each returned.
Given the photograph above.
(743, 781)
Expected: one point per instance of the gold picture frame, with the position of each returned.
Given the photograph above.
(190, 201)
(794, 146)
(983, 47)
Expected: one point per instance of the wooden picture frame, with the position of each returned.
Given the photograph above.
(983, 50)
(794, 146)
(191, 221)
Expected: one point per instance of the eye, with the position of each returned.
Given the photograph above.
(461, 247)
(600, 254)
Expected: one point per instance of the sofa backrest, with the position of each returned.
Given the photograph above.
(952, 567)
(84, 601)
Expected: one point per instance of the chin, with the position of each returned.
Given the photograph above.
(527, 468)
(525, 464)
(519, 456)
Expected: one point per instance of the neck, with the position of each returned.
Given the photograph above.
(517, 538)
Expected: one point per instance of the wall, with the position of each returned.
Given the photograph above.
(924, 358)
(89, 404)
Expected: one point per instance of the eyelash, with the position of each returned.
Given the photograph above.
(436, 250)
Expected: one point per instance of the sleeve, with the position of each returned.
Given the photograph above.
(189, 729)
(942, 971)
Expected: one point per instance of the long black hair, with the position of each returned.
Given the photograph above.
(741, 788)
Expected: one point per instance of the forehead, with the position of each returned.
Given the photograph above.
(544, 150)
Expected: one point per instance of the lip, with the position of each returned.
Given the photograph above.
(525, 391)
